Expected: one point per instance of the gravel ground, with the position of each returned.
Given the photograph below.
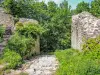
(41, 65)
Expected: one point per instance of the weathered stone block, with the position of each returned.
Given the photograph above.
(84, 26)
(6, 19)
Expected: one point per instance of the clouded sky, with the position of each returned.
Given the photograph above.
(73, 3)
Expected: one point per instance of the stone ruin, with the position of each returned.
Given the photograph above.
(8, 21)
(84, 26)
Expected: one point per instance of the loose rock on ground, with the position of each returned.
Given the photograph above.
(42, 65)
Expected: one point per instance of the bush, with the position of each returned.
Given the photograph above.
(23, 41)
(56, 36)
(17, 44)
(21, 45)
(29, 29)
(19, 26)
(91, 48)
(73, 62)
(12, 58)
(2, 31)
(30, 44)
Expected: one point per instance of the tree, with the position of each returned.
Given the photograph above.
(82, 6)
(39, 11)
(95, 8)
(58, 29)
(56, 20)
(52, 7)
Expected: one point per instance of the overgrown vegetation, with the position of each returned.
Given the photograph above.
(21, 44)
(55, 27)
(73, 62)
(93, 8)
(12, 58)
(56, 20)
(2, 31)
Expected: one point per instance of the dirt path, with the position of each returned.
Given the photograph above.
(42, 65)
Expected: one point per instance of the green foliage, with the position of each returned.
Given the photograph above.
(21, 44)
(65, 42)
(82, 6)
(92, 47)
(95, 8)
(86, 62)
(12, 58)
(30, 30)
(17, 43)
(58, 29)
(23, 41)
(8, 4)
(19, 26)
(2, 31)
(56, 20)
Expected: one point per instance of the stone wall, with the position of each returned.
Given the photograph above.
(28, 20)
(6, 19)
(84, 26)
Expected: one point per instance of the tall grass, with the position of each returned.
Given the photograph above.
(73, 62)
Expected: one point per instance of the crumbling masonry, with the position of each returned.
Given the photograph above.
(84, 26)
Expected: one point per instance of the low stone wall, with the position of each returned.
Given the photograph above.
(84, 26)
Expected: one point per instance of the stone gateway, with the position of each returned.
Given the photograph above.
(84, 26)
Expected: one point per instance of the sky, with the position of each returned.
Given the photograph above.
(73, 3)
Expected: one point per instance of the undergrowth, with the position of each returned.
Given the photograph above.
(87, 62)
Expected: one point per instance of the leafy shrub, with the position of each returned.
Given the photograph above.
(73, 62)
(91, 48)
(2, 31)
(65, 42)
(56, 36)
(21, 45)
(29, 29)
(19, 26)
(55, 19)
(30, 44)
(12, 58)
(23, 41)
(17, 43)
